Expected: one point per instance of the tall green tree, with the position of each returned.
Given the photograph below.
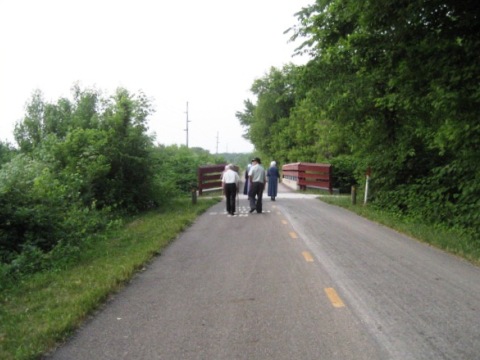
(395, 85)
(275, 94)
(7, 152)
(75, 158)
(30, 131)
(128, 151)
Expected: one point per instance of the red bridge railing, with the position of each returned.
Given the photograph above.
(304, 175)
(210, 177)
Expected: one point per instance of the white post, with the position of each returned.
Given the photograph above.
(366, 190)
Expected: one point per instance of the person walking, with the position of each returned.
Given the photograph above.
(230, 182)
(273, 178)
(257, 178)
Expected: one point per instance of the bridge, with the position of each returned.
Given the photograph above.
(297, 176)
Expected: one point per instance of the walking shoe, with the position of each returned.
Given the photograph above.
(252, 210)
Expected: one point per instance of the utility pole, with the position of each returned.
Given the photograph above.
(186, 129)
(217, 142)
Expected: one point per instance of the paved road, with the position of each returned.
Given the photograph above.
(304, 280)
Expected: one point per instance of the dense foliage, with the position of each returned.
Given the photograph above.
(242, 160)
(7, 152)
(391, 85)
(177, 167)
(79, 165)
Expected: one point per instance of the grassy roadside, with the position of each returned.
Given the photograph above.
(43, 310)
(451, 240)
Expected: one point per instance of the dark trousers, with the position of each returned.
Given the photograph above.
(230, 194)
(255, 196)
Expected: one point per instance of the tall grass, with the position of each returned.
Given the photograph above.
(42, 310)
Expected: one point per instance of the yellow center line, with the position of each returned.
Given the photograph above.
(308, 257)
(284, 222)
(334, 298)
(293, 235)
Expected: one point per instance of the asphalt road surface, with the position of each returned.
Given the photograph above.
(303, 280)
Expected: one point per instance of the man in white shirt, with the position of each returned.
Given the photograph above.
(257, 177)
(230, 182)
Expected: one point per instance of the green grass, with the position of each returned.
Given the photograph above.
(452, 240)
(41, 311)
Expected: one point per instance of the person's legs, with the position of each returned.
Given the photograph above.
(228, 195)
(259, 197)
(232, 199)
(252, 194)
(227, 200)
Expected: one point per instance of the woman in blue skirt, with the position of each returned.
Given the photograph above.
(273, 178)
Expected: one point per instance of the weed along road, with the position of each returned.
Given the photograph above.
(303, 280)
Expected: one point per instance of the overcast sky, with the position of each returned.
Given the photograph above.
(206, 53)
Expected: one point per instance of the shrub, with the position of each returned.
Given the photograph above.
(343, 172)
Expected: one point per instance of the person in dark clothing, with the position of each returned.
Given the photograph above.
(246, 186)
(273, 178)
(257, 177)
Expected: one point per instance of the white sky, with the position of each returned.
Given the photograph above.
(206, 53)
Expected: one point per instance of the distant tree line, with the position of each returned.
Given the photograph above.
(391, 85)
(80, 164)
(240, 159)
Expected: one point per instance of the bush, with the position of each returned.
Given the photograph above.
(81, 162)
(343, 172)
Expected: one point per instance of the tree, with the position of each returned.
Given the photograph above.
(178, 167)
(29, 132)
(81, 162)
(275, 99)
(7, 152)
(395, 85)
(75, 159)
